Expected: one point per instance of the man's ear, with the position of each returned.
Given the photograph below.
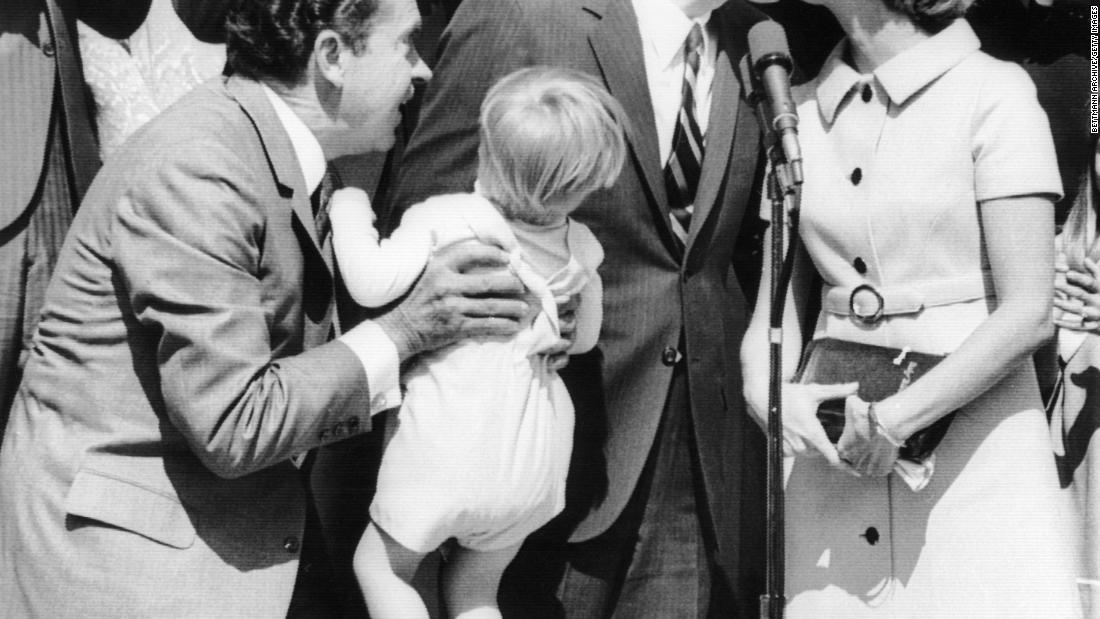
(329, 54)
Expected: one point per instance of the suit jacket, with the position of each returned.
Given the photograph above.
(181, 360)
(654, 291)
(38, 55)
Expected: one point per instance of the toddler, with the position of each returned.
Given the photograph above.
(480, 448)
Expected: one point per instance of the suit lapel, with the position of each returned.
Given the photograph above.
(617, 45)
(280, 156)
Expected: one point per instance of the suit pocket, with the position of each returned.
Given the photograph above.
(128, 506)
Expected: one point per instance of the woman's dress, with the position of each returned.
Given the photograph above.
(133, 80)
(896, 164)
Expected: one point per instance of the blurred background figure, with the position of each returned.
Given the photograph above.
(1075, 408)
(134, 78)
(49, 155)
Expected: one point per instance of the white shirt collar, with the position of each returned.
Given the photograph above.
(310, 155)
(665, 26)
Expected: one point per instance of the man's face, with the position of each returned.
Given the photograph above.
(380, 78)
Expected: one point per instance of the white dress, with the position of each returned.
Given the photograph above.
(896, 164)
(480, 448)
(133, 80)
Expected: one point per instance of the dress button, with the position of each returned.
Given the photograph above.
(866, 93)
(48, 48)
(871, 535)
(291, 544)
(669, 356)
(859, 265)
(857, 175)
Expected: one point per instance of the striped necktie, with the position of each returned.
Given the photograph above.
(686, 157)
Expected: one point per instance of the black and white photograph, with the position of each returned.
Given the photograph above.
(549, 309)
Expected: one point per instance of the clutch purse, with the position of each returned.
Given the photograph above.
(880, 372)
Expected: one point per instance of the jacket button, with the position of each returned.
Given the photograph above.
(859, 265)
(669, 356)
(857, 175)
(291, 544)
(871, 535)
(48, 48)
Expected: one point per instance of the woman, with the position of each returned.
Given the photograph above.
(132, 80)
(930, 178)
(1075, 411)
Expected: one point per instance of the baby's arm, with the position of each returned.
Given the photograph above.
(590, 309)
(374, 272)
(589, 316)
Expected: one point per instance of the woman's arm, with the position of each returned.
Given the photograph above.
(800, 402)
(1017, 233)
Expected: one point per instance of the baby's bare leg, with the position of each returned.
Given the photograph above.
(385, 570)
(471, 579)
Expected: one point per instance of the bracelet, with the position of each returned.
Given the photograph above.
(872, 418)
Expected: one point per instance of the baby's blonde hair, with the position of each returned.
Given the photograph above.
(547, 134)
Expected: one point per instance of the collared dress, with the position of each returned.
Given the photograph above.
(897, 163)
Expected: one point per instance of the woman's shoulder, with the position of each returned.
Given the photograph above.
(990, 77)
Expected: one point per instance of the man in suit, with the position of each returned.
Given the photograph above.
(665, 502)
(49, 154)
(184, 353)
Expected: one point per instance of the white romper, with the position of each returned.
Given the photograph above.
(480, 448)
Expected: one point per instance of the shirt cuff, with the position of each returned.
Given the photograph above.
(378, 354)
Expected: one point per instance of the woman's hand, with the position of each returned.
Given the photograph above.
(1077, 295)
(864, 448)
(801, 427)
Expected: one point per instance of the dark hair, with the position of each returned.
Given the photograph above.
(931, 15)
(273, 39)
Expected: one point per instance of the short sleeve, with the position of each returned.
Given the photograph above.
(585, 245)
(1012, 145)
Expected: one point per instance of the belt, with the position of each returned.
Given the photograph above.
(869, 303)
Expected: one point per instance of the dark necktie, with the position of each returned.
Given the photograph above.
(319, 201)
(686, 157)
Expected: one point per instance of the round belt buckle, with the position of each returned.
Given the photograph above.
(861, 313)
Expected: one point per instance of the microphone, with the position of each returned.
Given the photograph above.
(754, 95)
(772, 62)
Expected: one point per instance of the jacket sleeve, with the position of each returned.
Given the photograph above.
(187, 248)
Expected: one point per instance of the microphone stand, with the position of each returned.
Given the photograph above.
(782, 190)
